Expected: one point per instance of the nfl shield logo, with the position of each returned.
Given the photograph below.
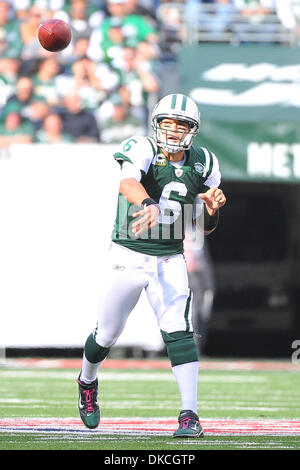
(178, 172)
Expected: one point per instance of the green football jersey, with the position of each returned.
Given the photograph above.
(173, 186)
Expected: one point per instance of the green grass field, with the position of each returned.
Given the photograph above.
(239, 409)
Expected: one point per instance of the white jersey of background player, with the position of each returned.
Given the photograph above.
(161, 177)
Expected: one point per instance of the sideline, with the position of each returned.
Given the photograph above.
(144, 364)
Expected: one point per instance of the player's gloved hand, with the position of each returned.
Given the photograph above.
(148, 218)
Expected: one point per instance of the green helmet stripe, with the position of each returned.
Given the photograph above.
(173, 104)
(183, 106)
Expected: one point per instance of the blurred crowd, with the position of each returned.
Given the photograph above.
(276, 21)
(99, 88)
(96, 90)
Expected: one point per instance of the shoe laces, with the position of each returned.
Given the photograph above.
(187, 418)
(185, 423)
(88, 398)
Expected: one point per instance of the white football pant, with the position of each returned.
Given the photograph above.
(165, 282)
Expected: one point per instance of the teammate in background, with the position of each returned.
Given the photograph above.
(160, 177)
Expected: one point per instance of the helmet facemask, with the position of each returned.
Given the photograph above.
(180, 108)
(163, 139)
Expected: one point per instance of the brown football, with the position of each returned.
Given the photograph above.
(54, 35)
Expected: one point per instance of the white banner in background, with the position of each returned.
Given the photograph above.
(57, 208)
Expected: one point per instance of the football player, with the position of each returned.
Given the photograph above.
(160, 177)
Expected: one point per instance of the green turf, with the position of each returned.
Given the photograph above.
(67, 442)
(127, 393)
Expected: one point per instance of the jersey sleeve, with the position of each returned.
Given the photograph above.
(212, 170)
(135, 156)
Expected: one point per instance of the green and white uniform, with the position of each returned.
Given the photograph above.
(173, 186)
(153, 263)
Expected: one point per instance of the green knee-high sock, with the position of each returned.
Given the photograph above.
(181, 347)
(93, 356)
(93, 351)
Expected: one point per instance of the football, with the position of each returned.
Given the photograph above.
(54, 35)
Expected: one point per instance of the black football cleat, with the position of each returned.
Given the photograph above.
(88, 406)
(189, 425)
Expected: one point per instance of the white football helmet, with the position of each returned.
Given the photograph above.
(183, 108)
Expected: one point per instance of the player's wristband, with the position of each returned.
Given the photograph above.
(150, 202)
(210, 221)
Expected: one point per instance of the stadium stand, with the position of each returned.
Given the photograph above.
(118, 47)
(112, 58)
(226, 21)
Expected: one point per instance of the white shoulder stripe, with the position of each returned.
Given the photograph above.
(153, 145)
(214, 179)
(207, 160)
(215, 166)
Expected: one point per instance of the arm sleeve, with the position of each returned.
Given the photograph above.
(135, 156)
(129, 170)
(213, 174)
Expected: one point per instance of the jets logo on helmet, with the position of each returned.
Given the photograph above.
(182, 108)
